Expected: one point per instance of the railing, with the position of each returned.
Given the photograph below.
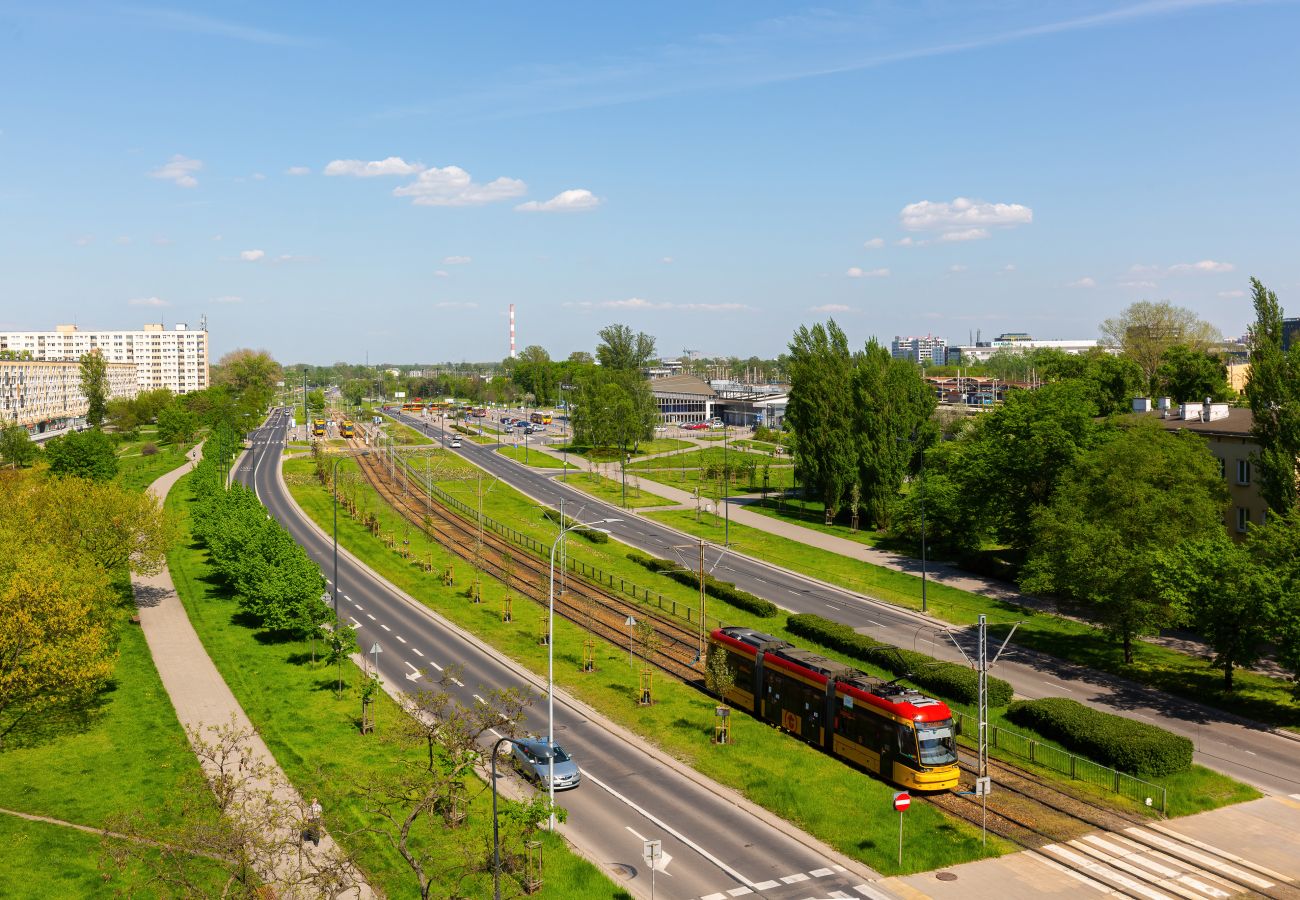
(1076, 767)
(638, 594)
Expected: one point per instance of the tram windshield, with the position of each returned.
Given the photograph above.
(938, 744)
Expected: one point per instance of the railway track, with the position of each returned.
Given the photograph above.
(585, 603)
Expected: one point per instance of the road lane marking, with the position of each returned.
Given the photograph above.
(1232, 857)
(385, 627)
(456, 681)
(400, 638)
(417, 652)
(795, 878)
(355, 624)
(1206, 862)
(480, 699)
(820, 873)
(347, 598)
(836, 608)
(672, 831)
(435, 665)
(370, 617)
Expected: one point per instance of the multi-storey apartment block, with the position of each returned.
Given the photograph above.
(176, 358)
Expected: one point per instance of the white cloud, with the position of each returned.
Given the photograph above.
(667, 260)
(85, 240)
(228, 298)
(393, 165)
(1207, 266)
(874, 244)
(1084, 282)
(963, 219)
(456, 260)
(1231, 295)
(252, 255)
(1142, 269)
(179, 170)
(829, 308)
(147, 301)
(216, 237)
(1009, 267)
(290, 258)
(577, 200)
(122, 240)
(457, 304)
(161, 241)
(956, 268)
(1137, 284)
(452, 186)
(966, 234)
(857, 272)
(298, 170)
(258, 176)
(442, 273)
(907, 242)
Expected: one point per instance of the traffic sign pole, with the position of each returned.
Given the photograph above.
(902, 800)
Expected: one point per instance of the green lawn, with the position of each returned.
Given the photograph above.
(704, 456)
(687, 479)
(136, 471)
(769, 767)
(1260, 697)
(311, 731)
(809, 514)
(612, 454)
(611, 489)
(531, 457)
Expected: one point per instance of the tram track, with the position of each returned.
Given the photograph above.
(583, 602)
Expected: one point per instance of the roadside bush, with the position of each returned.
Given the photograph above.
(943, 678)
(150, 449)
(1111, 740)
(721, 590)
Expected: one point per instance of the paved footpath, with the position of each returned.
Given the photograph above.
(198, 692)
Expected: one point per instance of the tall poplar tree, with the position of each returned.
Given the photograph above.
(1274, 395)
(94, 385)
(820, 412)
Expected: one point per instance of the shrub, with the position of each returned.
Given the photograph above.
(149, 449)
(1109, 739)
(721, 590)
(946, 679)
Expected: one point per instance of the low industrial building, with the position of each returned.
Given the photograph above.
(686, 399)
(46, 396)
(980, 351)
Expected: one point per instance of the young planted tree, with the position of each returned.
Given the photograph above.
(17, 450)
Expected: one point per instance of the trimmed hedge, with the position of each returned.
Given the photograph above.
(591, 534)
(721, 590)
(1109, 739)
(943, 678)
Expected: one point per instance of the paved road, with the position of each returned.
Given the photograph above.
(717, 844)
(1252, 754)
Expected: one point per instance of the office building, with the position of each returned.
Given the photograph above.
(980, 351)
(175, 358)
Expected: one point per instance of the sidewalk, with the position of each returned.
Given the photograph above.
(197, 690)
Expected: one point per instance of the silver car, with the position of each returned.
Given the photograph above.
(528, 760)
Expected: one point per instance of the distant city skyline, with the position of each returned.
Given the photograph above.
(326, 185)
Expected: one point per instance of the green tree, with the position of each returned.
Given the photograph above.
(1275, 546)
(1223, 592)
(820, 412)
(94, 386)
(614, 408)
(1146, 329)
(122, 415)
(82, 454)
(176, 424)
(16, 446)
(1189, 375)
(1017, 455)
(1120, 504)
(354, 391)
(251, 375)
(892, 405)
(1111, 381)
(1274, 395)
(535, 374)
(620, 348)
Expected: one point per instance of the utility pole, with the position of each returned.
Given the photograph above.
(704, 630)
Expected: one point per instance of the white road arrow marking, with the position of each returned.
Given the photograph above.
(355, 624)
(415, 673)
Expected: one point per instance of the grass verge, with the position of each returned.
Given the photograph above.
(532, 458)
(611, 490)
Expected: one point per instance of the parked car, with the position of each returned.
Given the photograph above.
(528, 760)
(696, 426)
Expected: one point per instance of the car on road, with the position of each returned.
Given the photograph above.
(455, 443)
(696, 426)
(528, 758)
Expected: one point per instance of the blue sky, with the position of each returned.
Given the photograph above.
(330, 180)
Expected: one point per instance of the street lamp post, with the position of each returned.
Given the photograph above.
(334, 483)
(726, 491)
(550, 648)
(496, 834)
(923, 562)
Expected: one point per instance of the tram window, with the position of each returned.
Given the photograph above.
(906, 742)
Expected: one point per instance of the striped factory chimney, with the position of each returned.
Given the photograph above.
(512, 331)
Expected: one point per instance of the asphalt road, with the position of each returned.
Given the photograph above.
(1255, 755)
(712, 844)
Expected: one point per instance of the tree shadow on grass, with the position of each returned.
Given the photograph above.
(60, 722)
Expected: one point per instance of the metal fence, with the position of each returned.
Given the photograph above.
(1076, 767)
(640, 595)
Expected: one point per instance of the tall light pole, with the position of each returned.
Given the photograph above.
(550, 649)
(496, 835)
(726, 490)
(923, 563)
(334, 483)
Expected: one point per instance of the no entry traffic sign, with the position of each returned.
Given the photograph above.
(902, 800)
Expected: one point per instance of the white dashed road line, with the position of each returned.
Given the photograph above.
(370, 617)
(385, 627)
(417, 652)
(400, 638)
